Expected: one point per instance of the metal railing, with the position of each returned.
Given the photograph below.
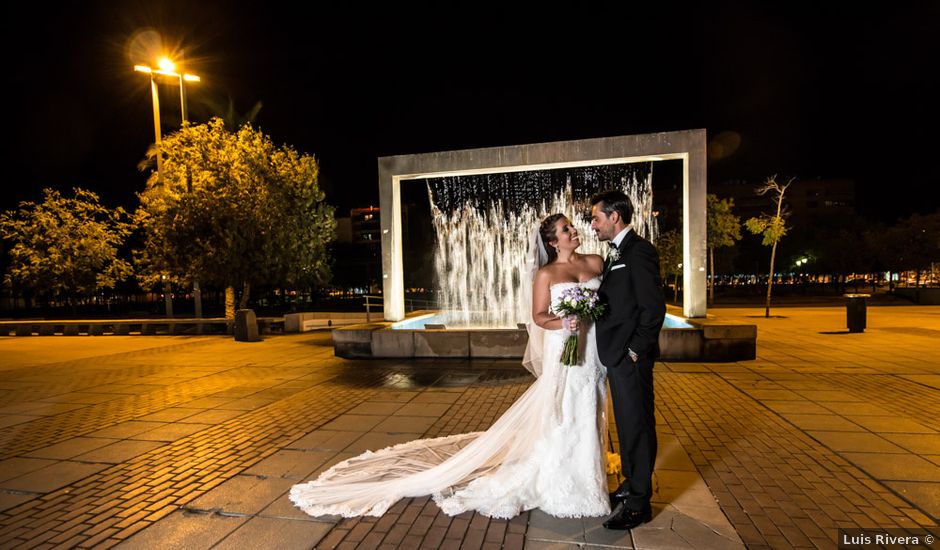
(412, 304)
(378, 301)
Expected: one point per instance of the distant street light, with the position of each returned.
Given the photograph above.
(168, 68)
(801, 263)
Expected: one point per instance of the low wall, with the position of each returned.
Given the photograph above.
(710, 340)
(132, 327)
(311, 320)
(919, 295)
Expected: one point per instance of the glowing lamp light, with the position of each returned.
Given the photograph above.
(164, 62)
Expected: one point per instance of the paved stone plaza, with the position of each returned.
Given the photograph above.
(193, 442)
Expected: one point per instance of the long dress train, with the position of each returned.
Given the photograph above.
(546, 451)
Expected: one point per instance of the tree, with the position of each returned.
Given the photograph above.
(65, 248)
(773, 228)
(669, 245)
(837, 244)
(914, 243)
(234, 210)
(724, 229)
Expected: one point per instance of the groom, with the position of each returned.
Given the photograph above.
(627, 343)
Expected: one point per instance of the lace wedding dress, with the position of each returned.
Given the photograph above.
(547, 451)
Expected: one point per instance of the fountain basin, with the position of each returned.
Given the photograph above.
(697, 340)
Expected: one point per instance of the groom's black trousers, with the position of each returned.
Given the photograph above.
(631, 386)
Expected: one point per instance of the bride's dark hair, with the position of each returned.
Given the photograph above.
(547, 231)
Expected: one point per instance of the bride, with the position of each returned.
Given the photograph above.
(547, 451)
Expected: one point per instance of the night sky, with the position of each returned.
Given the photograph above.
(813, 91)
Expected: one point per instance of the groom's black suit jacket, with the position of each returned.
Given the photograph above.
(636, 308)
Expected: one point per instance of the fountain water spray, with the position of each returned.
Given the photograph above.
(483, 238)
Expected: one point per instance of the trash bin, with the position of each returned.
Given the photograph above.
(246, 326)
(855, 312)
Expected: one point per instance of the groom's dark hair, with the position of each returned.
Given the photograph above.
(615, 201)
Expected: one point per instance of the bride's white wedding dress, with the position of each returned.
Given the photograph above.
(547, 451)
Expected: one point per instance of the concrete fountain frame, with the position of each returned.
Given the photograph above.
(687, 145)
(707, 340)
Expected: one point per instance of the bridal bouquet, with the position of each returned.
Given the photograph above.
(580, 302)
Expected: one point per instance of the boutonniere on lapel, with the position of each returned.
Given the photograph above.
(613, 255)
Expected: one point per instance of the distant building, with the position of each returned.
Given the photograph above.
(366, 226)
(806, 199)
(362, 226)
(357, 254)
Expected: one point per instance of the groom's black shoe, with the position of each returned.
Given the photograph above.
(619, 496)
(626, 519)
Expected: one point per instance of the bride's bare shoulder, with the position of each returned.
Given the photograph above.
(546, 275)
(595, 261)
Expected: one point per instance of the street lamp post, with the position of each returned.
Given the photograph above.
(157, 137)
(197, 290)
(802, 264)
(166, 68)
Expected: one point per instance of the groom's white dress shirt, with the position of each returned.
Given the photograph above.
(620, 236)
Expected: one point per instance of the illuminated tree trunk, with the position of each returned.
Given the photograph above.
(770, 280)
(229, 302)
(197, 299)
(168, 298)
(246, 289)
(711, 280)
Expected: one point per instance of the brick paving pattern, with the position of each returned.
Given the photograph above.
(15, 440)
(797, 443)
(900, 396)
(109, 506)
(778, 486)
(823, 430)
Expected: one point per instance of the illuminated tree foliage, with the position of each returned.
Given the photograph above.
(65, 248)
(724, 229)
(233, 209)
(669, 245)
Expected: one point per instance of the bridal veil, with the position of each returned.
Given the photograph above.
(519, 463)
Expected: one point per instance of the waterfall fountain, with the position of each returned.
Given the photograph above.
(483, 228)
(484, 203)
